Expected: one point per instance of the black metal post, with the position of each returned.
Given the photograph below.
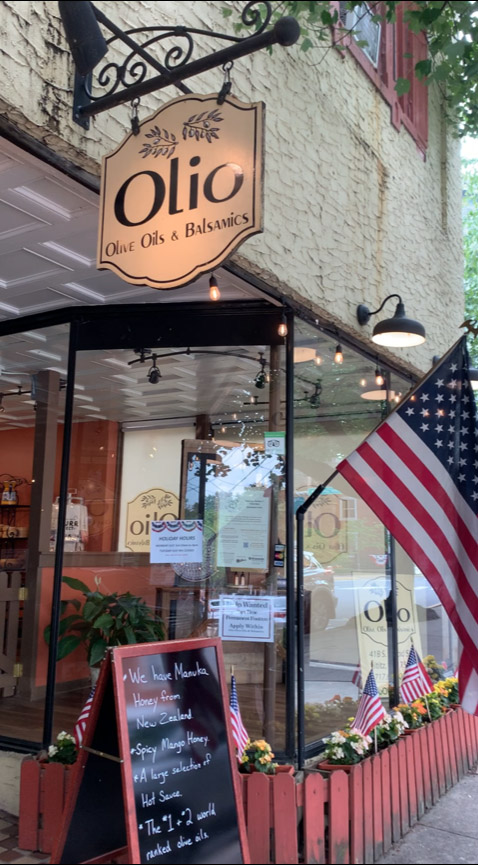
(60, 540)
(290, 588)
(393, 594)
(301, 512)
(285, 32)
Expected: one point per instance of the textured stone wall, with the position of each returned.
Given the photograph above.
(352, 210)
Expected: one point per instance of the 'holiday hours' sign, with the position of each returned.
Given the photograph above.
(182, 194)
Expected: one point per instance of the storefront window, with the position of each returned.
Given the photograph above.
(32, 401)
(348, 610)
(183, 448)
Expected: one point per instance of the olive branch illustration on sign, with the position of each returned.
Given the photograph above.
(197, 126)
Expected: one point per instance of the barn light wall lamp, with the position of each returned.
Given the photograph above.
(136, 72)
(396, 332)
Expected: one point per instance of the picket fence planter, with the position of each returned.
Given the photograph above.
(43, 789)
(334, 817)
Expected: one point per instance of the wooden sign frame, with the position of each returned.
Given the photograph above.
(104, 767)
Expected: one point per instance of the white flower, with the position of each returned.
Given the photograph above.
(339, 753)
(52, 750)
(337, 739)
(65, 737)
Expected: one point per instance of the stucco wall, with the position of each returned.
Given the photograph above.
(352, 211)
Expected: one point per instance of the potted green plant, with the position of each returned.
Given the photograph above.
(412, 715)
(103, 620)
(345, 748)
(390, 729)
(258, 757)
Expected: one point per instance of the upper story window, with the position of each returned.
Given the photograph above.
(360, 19)
(391, 52)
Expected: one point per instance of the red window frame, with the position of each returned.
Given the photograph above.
(411, 109)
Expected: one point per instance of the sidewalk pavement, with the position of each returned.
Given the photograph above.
(9, 850)
(447, 833)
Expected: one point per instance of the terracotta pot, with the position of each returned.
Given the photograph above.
(285, 769)
(325, 766)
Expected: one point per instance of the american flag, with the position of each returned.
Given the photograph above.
(238, 729)
(415, 682)
(418, 471)
(80, 725)
(357, 677)
(370, 710)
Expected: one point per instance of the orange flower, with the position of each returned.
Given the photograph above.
(419, 707)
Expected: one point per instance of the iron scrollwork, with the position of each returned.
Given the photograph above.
(134, 68)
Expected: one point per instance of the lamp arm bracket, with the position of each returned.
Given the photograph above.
(364, 314)
(116, 83)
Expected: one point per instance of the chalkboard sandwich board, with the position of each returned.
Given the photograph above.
(158, 772)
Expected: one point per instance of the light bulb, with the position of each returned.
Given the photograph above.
(317, 360)
(214, 292)
(363, 382)
(223, 429)
(282, 329)
(339, 358)
(379, 379)
(234, 417)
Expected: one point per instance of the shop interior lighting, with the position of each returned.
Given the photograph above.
(379, 378)
(282, 330)
(214, 293)
(318, 359)
(261, 378)
(379, 395)
(363, 382)
(154, 373)
(338, 357)
(396, 332)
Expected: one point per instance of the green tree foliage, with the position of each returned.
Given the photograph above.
(452, 32)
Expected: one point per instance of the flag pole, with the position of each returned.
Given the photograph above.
(375, 728)
(300, 514)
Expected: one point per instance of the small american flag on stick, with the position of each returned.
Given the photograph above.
(239, 731)
(82, 721)
(416, 682)
(370, 710)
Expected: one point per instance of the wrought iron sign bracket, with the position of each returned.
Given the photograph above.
(115, 83)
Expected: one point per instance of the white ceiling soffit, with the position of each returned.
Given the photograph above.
(48, 229)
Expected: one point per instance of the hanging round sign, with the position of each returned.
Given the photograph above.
(181, 195)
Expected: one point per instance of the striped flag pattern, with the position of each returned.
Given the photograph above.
(81, 723)
(239, 732)
(416, 681)
(357, 677)
(370, 710)
(418, 471)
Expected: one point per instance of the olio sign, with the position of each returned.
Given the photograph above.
(182, 194)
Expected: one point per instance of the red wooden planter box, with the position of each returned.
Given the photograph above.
(342, 818)
(43, 789)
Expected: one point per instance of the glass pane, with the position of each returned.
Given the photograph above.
(338, 401)
(160, 456)
(33, 371)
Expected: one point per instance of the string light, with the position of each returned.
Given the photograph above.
(318, 360)
(379, 379)
(363, 382)
(214, 292)
(339, 358)
(283, 330)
